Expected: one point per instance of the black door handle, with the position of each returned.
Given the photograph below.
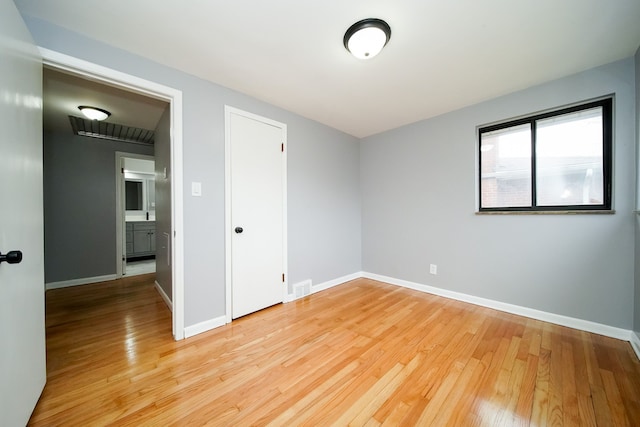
(238, 230)
(11, 257)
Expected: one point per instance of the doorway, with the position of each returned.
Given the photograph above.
(131, 83)
(136, 215)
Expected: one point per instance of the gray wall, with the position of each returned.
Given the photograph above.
(324, 203)
(418, 204)
(80, 205)
(323, 192)
(163, 201)
(636, 317)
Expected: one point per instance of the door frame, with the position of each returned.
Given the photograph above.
(228, 110)
(173, 96)
(121, 262)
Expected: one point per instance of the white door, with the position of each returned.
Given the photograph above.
(257, 212)
(22, 335)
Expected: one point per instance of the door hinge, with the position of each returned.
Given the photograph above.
(121, 170)
(282, 147)
(282, 277)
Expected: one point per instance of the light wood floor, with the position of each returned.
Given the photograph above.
(363, 353)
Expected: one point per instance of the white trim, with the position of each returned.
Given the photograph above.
(635, 343)
(227, 213)
(164, 296)
(121, 262)
(290, 298)
(228, 110)
(81, 281)
(335, 282)
(205, 326)
(177, 217)
(285, 204)
(174, 97)
(557, 319)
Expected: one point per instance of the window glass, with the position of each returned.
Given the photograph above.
(569, 159)
(506, 167)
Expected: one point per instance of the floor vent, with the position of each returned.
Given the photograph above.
(302, 289)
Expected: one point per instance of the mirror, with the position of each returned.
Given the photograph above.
(133, 195)
(140, 193)
(139, 197)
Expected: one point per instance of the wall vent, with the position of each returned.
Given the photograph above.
(302, 289)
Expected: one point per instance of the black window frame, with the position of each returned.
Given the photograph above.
(607, 157)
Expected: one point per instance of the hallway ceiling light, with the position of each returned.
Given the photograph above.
(94, 113)
(365, 39)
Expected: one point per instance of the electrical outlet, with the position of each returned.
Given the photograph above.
(433, 269)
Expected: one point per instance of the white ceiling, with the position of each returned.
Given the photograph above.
(443, 55)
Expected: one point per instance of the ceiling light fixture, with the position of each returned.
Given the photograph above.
(94, 113)
(365, 39)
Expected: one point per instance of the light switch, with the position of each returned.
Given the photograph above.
(196, 189)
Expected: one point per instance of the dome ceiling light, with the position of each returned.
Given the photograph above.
(94, 113)
(365, 39)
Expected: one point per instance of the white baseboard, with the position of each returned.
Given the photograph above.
(635, 342)
(164, 296)
(81, 281)
(585, 325)
(324, 286)
(205, 326)
(335, 282)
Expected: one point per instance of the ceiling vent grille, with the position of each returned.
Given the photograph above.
(111, 131)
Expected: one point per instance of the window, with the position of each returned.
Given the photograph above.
(555, 161)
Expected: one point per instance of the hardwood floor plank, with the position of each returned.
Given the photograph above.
(570, 410)
(524, 404)
(585, 408)
(540, 408)
(601, 406)
(364, 353)
(464, 382)
(492, 387)
(363, 409)
(555, 413)
(440, 394)
(467, 393)
(618, 413)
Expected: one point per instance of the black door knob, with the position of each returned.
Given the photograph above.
(238, 230)
(12, 257)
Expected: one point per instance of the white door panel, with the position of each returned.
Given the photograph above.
(257, 194)
(22, 334)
